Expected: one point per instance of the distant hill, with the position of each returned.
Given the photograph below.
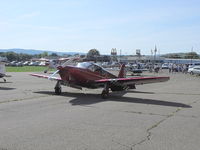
(33, 51)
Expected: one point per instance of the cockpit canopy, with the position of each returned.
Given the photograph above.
(88, 65)
(92, 67)
(84, 65)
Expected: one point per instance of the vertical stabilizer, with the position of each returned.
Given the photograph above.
(122, 72)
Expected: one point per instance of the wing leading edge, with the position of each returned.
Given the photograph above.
(46, 77)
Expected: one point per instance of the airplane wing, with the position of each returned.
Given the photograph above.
(133, 80)
(46, 77)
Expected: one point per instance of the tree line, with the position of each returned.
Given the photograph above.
(12, 56)
(92, 54)
(189, 55)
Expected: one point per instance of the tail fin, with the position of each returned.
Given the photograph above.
(122, 73)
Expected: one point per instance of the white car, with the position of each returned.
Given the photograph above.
(165, 66)
(42, 63)
(193, 65)
(194, 70)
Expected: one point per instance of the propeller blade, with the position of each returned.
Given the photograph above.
(53, 74)
(66, 63)
(71, 60)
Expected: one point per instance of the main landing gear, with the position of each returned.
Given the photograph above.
(105, 92)
(58, 89)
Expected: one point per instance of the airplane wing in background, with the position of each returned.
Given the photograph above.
(46, 77)
(134, 80)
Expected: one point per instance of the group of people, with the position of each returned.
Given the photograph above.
(178, 68)
(171, 67)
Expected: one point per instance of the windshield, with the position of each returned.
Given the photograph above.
(84, 65)
(92, 67)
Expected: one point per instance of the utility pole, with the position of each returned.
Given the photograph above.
(151, 58)
(191, 55)
(138, 53)
(155, 54)
(120, 53)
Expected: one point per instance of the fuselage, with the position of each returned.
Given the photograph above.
(84, 77)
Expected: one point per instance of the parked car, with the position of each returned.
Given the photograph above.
(165, 66)
(26, 63)
(34, 63)
(194, 70)
(19, 64)
(42, 63)
(13, 63)
(193, 65)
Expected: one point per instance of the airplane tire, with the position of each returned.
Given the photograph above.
(58, 90)
(104, 94)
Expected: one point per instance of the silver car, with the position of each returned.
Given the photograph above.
(194, 70)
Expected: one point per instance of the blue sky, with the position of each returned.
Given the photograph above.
(80, 25)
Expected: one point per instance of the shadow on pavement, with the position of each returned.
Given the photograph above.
(5, 82)
(88, 99)
(6, 88)
(140, 92)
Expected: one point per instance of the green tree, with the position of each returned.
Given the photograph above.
(93, 53)
(44, 54)
(54, 54)
(191, 55)
(11, 56)
(24, 57)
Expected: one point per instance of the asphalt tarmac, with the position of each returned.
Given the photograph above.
(161, 116)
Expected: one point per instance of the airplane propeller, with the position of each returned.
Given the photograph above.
(69, 61)
(63, 65)
(50, 77)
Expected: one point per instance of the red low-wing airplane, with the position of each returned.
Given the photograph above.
(90, 75)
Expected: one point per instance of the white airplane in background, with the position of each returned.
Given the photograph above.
(3, 68)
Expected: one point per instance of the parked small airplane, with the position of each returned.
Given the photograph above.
(91, 75)
(2, 69)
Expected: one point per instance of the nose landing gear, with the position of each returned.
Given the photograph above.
(58, 89)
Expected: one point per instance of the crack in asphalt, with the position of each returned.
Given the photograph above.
(21, 99)
(149, 133)
(154, 126)
(141, 113)
(162, 115)
(149, 129)
(178, 93)
(129, 147)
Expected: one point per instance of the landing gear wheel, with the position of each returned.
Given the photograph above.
(104, 94)
(58, 90)
(4, 80)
